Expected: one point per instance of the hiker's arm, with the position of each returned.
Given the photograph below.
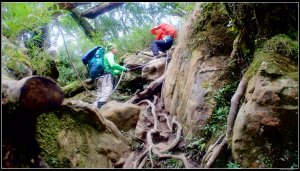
(159, 34)
(113, 65)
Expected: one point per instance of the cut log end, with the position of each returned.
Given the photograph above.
(40, 94)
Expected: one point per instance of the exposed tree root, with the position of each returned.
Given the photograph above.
(151, 147)
(129, 161)
(152, 111)
(215, 151)
(235, 101)
(148, 91)
(140, 158)
(94, 110)
(158, 153)
(176, 141)
(167, 121)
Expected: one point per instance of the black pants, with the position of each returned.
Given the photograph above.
(161, 45)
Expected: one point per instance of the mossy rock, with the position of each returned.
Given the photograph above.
(281, 65)
(283, 45)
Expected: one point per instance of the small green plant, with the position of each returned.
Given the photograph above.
(218, 119)
(195, 147)
(233, 165)
(265, 160)
(172, 163)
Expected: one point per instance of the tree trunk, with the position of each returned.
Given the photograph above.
(100, 9)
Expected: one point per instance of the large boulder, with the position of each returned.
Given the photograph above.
(74, 137)
(200, 65)
(265, 130)
(123, 115)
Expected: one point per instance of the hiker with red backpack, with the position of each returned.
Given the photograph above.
(102, 69)
(165, 35)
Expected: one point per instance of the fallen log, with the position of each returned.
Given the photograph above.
(76, 87)
(22, 101)
(35, 94)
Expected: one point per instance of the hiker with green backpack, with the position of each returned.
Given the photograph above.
(102, 69)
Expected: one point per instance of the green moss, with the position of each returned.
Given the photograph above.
(276, 62)
(205, 85)
(48, 128)
(293, 75)
(283, 45)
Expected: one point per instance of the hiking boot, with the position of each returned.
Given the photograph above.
(100, 104)
(148, 53)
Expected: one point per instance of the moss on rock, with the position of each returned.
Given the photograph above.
(283, 45)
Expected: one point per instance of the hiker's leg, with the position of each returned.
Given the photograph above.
(98, 81)
(107, 87)
(167, 45)
(156, 46)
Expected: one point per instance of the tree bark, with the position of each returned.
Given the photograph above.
(83, 24)
(70, 6)
(100, 9)
(35, 94)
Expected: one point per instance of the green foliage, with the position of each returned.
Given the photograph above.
(17, 17)
(66, 72)
(218, 119)
(138, 39)
(265, 160)
(172, 163)
(233, 165)
(195, 148)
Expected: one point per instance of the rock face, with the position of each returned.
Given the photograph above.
(75, 138)
(197, 70)
(265, 130)
(123, 115)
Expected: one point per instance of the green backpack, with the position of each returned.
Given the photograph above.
(94, 58)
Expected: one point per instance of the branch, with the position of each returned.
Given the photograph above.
(178, 134)
(100, 9)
